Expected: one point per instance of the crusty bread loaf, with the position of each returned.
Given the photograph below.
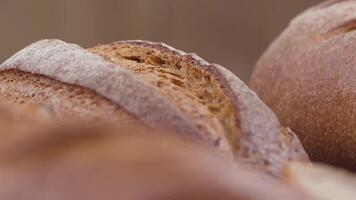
(307, 76)
(156, 85)
(321, 181)
(92, 164)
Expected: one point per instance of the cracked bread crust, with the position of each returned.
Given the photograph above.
(256, 135)
(121, 92)
(258, 138)
(73, 65)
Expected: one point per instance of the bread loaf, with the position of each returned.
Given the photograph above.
(92, 164)
(156, 85)
(307, 76)
(321, 181)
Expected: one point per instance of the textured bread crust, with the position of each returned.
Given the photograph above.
(64, 101)
(321, 181)
(73, 65)
(193, 92)
(258, 136)
(307, 76)
(124, 164)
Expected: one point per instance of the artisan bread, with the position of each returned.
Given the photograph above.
(321, 181)
(156, 85)
(307, 76)
(127, 163)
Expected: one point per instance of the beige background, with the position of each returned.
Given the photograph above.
(233, 33)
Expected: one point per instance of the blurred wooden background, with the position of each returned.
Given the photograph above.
(233, 33)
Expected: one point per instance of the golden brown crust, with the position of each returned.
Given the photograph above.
(307, 76)
(76, 66)
(192, 91)
(259, 138)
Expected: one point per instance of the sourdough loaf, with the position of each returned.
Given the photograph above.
(156, 85)
(307, 76)
(127, 163)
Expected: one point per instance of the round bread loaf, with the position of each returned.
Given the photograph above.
(88, 164)
(308, 75)
(155, 85)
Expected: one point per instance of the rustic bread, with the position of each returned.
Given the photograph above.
(91, 164)
(154, 84)
(307, 76)
(321, 181)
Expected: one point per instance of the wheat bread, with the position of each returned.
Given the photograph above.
(307, 77)
(156, 85)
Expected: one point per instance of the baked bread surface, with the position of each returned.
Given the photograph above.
(307, 77)
(154, 84)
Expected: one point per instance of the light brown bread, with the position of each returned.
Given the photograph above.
(91, 164)
(156, 85)
(308, 75)
(321, 181)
